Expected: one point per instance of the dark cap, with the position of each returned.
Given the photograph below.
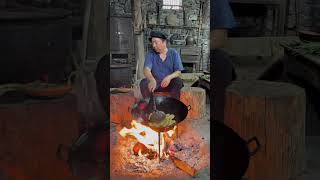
(157, 34)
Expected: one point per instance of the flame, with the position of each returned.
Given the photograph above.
(146, 136)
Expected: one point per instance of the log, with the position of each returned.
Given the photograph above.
(183, 166)
(274, 112)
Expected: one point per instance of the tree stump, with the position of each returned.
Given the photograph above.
(31, 132)
(196, 98)
(274, 112)
(120, 103)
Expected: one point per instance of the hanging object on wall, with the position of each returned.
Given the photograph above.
(172, 19)
(152, 19)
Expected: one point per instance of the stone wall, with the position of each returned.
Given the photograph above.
(187, 27)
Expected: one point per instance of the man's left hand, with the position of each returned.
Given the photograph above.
(165, 82)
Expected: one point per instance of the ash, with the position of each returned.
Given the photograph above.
(189, 147)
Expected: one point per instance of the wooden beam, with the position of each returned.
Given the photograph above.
(97, 42)
(138, 37)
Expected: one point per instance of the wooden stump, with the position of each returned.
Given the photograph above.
(119, 107)
(274, 112)
(196, 98)
(32, 131)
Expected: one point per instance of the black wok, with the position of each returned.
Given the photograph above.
(166, 104)
(231, 155)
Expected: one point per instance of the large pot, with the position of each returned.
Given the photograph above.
(166, 104)
(33, 42)
(231, 155)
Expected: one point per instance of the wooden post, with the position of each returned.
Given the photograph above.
(97, 31)
(138, 37)
(274, 112)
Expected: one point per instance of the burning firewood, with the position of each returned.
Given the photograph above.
(143, 150)
(183, 166)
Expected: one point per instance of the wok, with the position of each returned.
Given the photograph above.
(231, 154)
(166, 104)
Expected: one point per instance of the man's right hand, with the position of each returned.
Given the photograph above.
(152, 85)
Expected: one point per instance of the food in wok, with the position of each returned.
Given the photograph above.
(167, 121)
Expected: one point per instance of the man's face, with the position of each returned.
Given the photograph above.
(158, 44)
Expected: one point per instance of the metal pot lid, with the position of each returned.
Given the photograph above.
(32, 14)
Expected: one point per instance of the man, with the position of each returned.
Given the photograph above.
(221, 19)
(222, 69)
(162, 68)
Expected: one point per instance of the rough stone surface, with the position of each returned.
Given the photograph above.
(191, 8)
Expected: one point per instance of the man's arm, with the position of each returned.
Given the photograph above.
(174, 74)
(147, 73)
(152, 81)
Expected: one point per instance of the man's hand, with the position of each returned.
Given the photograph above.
(152, 85)
(166, 81)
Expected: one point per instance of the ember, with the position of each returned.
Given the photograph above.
(135, 155)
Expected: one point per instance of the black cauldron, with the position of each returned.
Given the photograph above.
(168, 105)
(230, 153)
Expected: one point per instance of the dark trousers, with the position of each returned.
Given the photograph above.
(173, 88)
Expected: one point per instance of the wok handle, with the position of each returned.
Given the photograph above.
(189, 107)
(258, 146)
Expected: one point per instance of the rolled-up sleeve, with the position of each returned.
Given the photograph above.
(148, 61)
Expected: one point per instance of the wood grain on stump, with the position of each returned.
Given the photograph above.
(31, 132)
(196, 98)
(274, 112)
(119, 107)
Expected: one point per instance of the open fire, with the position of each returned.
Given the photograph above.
(135, 152)
(150, 139)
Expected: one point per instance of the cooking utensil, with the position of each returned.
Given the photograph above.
(168, 105)
(120, 90)
(156, 116)
(231, 152)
